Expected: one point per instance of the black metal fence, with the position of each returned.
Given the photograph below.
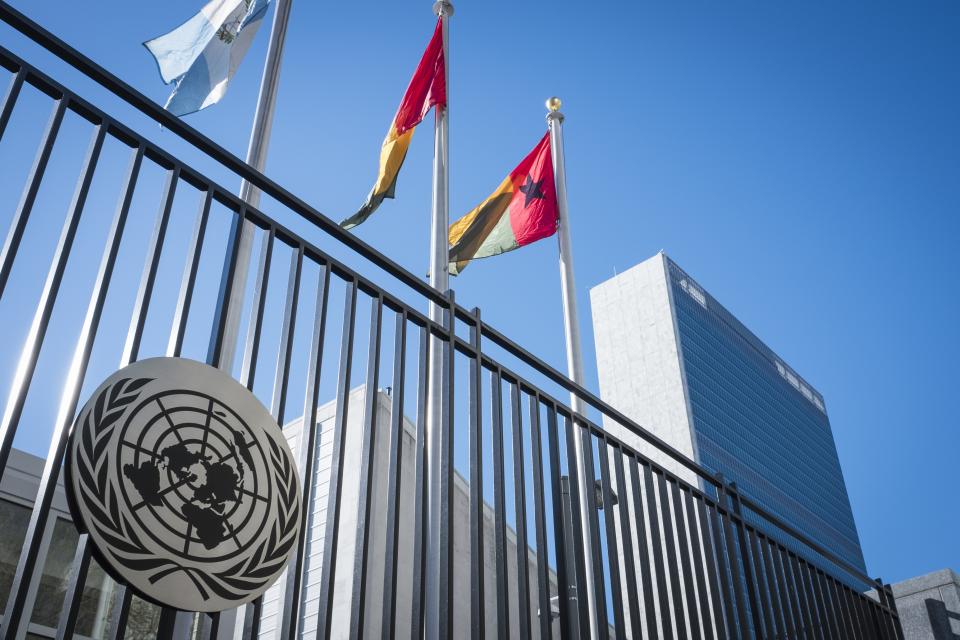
(668, 558)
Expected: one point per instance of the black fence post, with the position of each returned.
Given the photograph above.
(748, 571)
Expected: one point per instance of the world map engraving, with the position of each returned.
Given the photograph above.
(210, 485)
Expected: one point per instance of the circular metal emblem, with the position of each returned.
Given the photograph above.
(185, 484)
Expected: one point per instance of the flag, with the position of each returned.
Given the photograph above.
(427, 88)
(521, 211)
(201, 55)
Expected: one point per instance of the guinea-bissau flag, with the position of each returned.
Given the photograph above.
(427, 88)
(522, 210)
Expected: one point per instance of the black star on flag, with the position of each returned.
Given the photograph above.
(532, 190)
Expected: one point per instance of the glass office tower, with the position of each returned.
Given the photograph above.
(681, 365)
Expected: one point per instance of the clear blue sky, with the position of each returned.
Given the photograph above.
(802, 161)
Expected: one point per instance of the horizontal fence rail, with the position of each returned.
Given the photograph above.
(343, 365)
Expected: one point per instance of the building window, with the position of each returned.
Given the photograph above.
(794, 381)
(97, 601)
(694, 292)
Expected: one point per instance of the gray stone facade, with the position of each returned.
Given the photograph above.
(929, 606)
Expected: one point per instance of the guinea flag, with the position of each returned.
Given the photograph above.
(427, 88)
(522, 210)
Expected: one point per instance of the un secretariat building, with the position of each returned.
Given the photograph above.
(675, 360)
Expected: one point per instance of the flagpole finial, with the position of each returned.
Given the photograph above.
(443, 8)
(553, 106)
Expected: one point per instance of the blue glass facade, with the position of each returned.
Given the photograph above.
(761, 425)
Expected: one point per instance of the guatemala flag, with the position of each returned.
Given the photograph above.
(202, 54)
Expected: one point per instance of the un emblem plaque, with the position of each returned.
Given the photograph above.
(185, 484)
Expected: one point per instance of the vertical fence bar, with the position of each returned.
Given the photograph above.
(71, 599)
(544, 610)
(749, 585)
(78, 370)
(418, 585)
(684, 553)
(251, 349)
(367, 450)
(475, 392)
(566, 587)
(593, 546)
(10, 99)
(832, 620)
(854, 612)
(252, 611)
(26, 366)
(666, 613)
(712, 568)
(167, 624)
(328, 572)
(446, 578)
(842, 606)
(577, 542)
(693, 530)
(281, 375)
(724, 571)
(499, 501)
(630, 570)
(23, 576)
(520, 506)
(215, 347)
(815, 607)
(18, 223)
(145, 291)
(851, 608)
(646, 567)
(891, 615)
(787, 594)
(394, 474)
(733, 558)
(766, 607)
(781, 624)
(121, 612)
(131, 347)
(858, 607)
(175, 344)
(290, 623)
(669, 544)
(184, 620)
(805, 617)
(878, 617)
(613, 549)
(796, 585)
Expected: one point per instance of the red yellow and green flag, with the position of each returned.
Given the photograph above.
(427, 88)
(521, 211)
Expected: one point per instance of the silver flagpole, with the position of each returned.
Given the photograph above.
(571, 326)
(257, 158)
(232, 622)
(439, 279)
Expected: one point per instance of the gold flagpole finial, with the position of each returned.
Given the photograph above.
(554, 104)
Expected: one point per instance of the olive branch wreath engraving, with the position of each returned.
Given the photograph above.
(92, 464)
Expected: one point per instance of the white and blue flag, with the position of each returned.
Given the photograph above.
(201, 55)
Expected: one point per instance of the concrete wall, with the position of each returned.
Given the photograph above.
(345, 572)
(929, 606)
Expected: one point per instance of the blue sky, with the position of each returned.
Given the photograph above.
(801, 161)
